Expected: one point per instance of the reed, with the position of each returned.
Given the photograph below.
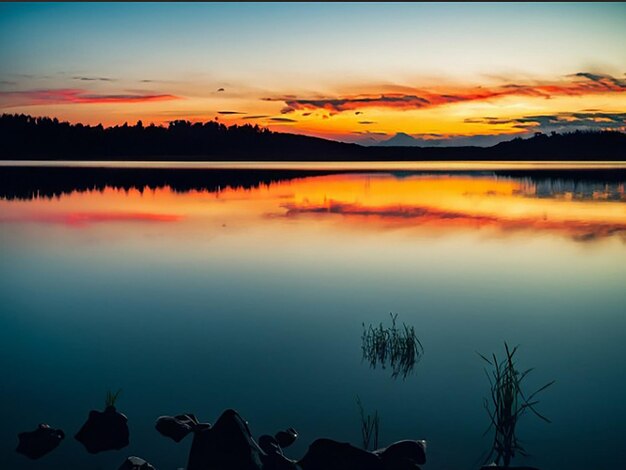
(507, 404)
(111, 398)
(392, 345)
(370, 427)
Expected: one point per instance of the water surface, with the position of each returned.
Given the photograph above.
(216, 288)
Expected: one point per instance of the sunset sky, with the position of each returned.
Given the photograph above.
(440, 73)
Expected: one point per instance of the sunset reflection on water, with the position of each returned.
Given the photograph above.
(378, 201)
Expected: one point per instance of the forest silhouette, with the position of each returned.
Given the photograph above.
(41, 138)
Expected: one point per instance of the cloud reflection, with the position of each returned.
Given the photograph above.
(395, 215)
(80, 219)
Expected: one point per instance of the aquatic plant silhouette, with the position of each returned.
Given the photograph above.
(507, 404)
(111, 398)
(370, 427)
(395, 346)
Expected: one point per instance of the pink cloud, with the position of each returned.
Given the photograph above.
(78, 96)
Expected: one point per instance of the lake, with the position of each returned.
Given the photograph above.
(200, 288)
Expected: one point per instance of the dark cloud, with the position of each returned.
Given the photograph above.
(560, 122)
(344, 104)
(230, 112)
(219, 90)
(94, 79)
(579, 84)
(371, 133)
(282, 119)
(604, 80)
(258, 116)
(367, 122)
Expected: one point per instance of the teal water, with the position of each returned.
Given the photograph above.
(253, 298)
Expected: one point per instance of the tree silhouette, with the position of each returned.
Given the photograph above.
(44, 138)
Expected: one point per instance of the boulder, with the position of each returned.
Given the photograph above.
(177, 427)
(104, 430)
(136, 463)
(35, 444)
(286, 438)
(326, 454)
(493, 466)
(403, 454)
(269, 445)
(227, 445)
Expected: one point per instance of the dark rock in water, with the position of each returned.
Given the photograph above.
(227, 445)
(403, 454)
(286, 438)
(177, 427)
(269, 445)
(104, 430)
(326, 454)
(498, 467)
(35, 444)
(136, 463)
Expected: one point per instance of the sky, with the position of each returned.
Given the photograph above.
(419, 73)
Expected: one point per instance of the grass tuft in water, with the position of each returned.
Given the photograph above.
(111, 398)
(395, 346)
(507, 404)
(370, 427)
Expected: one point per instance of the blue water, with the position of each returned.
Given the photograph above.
(232, 307)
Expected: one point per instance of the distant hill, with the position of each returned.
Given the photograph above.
(29, 138)
(402, 139)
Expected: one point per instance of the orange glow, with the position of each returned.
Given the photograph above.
(377, 201)
(355, 112)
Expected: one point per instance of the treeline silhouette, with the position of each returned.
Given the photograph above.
(48, 182)
(42, 138)
(49, 139)
(26, 182)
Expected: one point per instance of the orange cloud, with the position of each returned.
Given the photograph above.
(574, 85)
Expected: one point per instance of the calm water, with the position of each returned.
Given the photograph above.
(248, 290)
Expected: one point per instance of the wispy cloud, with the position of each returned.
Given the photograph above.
(94, 79)
(559, 122)
(578, 84)
(77, 96)
(281, 119)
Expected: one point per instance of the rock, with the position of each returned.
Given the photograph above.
(403, 454)
(136, 463)
(227, 445)
(286, 438)
(493, 466)
(269, 445)
(35, 444)
(104, 430)
(326, 454)
(177, 427)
